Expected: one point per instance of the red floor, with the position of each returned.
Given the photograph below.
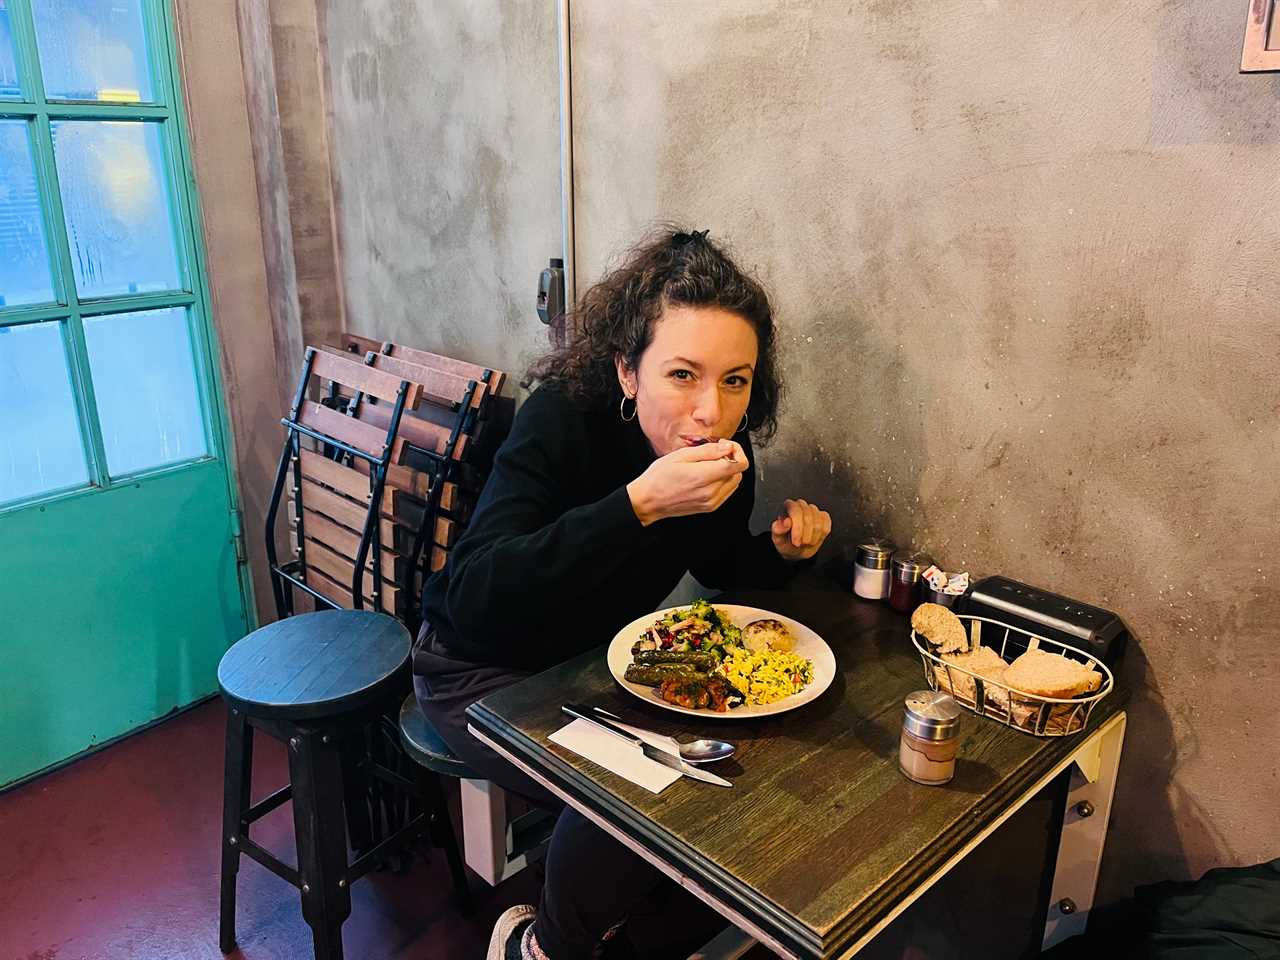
(117, 856)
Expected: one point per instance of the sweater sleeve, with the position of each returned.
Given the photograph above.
(732, 557)
(523, 543)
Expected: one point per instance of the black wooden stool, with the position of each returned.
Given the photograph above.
(432, 759)
(313, 681)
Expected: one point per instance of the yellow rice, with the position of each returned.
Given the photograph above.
(766, 676)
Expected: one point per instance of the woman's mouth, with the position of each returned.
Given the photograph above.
(695, 441)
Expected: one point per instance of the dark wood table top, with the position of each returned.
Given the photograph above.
(315, 665)
(821, 835)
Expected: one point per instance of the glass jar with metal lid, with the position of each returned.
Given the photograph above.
(871, 568)
(930, 737)
(904, 587)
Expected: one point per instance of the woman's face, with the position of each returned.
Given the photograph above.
(694, 380)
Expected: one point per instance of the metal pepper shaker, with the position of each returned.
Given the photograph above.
(930, 737)
(904, 583)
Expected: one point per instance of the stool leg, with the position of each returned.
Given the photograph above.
(236, 783)
(440, 828)
(319, 823)
(356, 791)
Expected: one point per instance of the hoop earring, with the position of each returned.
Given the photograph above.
(743, 425)
(622, 409)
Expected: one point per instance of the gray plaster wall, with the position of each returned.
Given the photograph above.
(445, 144)
(1023, 256)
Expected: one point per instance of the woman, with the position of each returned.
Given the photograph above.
(629, 466)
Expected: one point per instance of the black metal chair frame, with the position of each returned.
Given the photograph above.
(286, 576)
(441, 466)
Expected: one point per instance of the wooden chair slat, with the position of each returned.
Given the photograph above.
(420, 433)
(340, 569)
(436, 361)
(362, 435)
(341, 540)
(359, 344)
(394, 537)
(318, 499)
(355, 484)
(438, 386)
(333, 474)
(328, 587)
(416, 483)
(385, 385)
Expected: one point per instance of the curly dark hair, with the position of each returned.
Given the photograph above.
(615, 317)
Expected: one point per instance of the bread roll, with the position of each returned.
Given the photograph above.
(984, 662)
(759, 635)
(1051, 675)
(940, 627)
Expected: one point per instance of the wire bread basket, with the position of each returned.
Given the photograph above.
(1029, 712)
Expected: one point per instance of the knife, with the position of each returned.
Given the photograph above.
(648, 749)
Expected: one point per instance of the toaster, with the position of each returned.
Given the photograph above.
(1100, 633)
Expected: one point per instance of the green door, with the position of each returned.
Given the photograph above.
(119, 581)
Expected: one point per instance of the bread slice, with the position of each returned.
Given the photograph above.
(940, 627)
(1051, 675)
(984, 662)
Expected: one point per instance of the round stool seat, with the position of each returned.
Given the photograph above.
(316, 665)
(424, 746)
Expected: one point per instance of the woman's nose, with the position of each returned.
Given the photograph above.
(707, 412)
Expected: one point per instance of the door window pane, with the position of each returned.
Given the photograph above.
(40, 447)
(144, 382)
(24, 258)
(114, 198)
(93, 50)
(10, 88)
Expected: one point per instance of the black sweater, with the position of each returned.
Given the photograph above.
(555, 560)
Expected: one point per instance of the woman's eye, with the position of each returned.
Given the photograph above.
(736, 381)
(681, 374)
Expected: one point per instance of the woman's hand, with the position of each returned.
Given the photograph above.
(688, 481)
(800, 529)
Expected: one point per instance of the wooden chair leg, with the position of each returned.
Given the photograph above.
(440, 828)
(319, 822)
(236, 785)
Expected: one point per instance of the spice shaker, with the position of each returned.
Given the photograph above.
(930, 736)
(871, 569)
(904, 586)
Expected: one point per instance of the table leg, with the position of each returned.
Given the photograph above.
(729, 944)
(1084, 832)
(490, 841)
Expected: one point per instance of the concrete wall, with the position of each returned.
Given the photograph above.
(446, 158)
(1023, 257)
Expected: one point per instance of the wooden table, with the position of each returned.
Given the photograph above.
(822, 841)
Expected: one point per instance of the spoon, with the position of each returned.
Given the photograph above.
(695, 751)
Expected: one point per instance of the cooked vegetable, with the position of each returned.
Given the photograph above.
(710, 691)
(696, 661)
(652, 674)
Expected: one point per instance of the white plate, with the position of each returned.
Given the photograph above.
(808, 645)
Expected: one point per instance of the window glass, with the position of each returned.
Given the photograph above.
(40, 447)
(144, 381)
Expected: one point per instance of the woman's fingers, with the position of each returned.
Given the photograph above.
(802, 525)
